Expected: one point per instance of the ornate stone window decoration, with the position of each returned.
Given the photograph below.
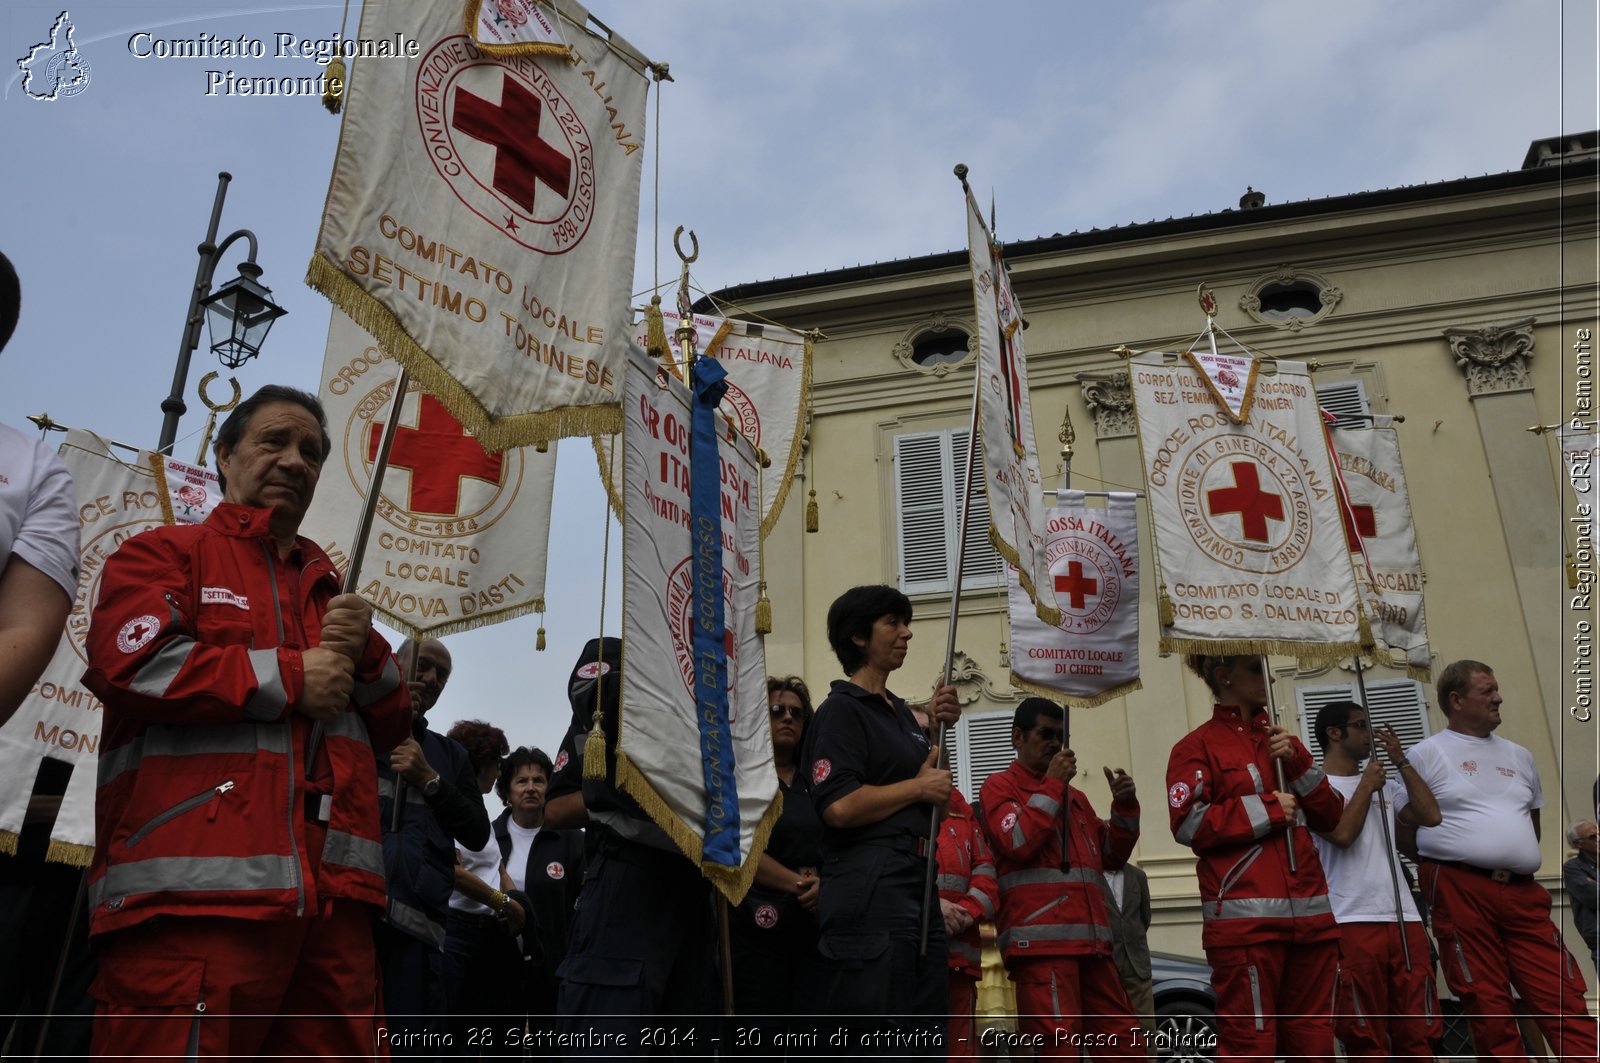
(1495, 357)
(937, 345)
(1290, 298)
(1109, 397)
(971, 683)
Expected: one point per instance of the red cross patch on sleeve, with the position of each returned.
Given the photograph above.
(137, 633)
(1178, 795)
(820, 771)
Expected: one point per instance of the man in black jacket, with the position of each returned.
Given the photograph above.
(429, 801)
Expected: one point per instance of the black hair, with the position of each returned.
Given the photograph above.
(1333, 714)
(852, 615)
(232, 429)
(793, 684)
(515, 761)
(10, 299)
(1028, 713)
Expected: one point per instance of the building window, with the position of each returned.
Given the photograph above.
(983, 747)
(930, 469)
(1398, 703)
(1347, 401)
(935, 345)
(1291, 298)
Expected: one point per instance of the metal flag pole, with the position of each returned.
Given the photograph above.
(1068, 435)
(935, 813)
(1283, 785)
(395, 815)
(369, 509)
(1383, 818)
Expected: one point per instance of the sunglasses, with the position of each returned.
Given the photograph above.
(777, 709)
(1356, 725)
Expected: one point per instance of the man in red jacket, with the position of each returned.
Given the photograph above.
(238, 864)
(1055, 933)
(1268, 928)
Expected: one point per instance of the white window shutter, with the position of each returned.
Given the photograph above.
(921, 495)
(1346, 400)
(983, 747)
(1398, 703)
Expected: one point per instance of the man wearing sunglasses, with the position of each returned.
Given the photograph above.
(1387, 1004)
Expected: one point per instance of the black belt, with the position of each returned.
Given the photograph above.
(318, 806)
(1497, 874)
(911, 844)
(473, 920)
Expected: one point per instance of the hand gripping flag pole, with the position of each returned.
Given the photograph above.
(369, 509)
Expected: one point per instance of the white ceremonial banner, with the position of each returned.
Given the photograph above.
(514, 27)
(188, 492)
(460, 536)
(1230, 377)
(1010, 457)
(1379, 517)
(1092, 656)
(482, 216)
(60, 718)
(1249, 544)
(769, 384)
(659, 752)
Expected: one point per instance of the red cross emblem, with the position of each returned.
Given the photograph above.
(1360, 522)
(439, 455)
(1246, 498)
(512, 126)
(1076, 584)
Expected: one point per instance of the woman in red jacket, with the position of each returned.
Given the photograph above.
(1269, 931)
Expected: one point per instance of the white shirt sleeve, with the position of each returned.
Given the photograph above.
(43, 511)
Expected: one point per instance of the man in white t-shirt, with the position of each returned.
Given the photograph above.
(1491, 919)
(38, 541)
(1387, 1003)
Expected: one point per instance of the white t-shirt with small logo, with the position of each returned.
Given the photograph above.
(1361, 878)
(38, 509)
(521, 845)
(1487, 789)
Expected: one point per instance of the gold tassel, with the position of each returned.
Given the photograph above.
(1572, 574)
(594, 751)
(1164, 611)
(811, 512)
(763, 612)
(1365, 635)
(333, 85)
(655, 331)
(538, 607)
(539, 642)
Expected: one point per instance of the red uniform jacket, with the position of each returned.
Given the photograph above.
(1220, 785)
(966, 878)
(202, 808)
(1045, 910)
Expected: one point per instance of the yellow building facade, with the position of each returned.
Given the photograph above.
(1467, 307)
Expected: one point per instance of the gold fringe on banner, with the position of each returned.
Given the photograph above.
(1310, 651)
(333, 85)
(69, 854)
(8, 842)
(439, 631)
(733, 883)
(1049, 616)
(1074, 702)
(501, 51)
(792, 462)
(613, 492)
(495, 434)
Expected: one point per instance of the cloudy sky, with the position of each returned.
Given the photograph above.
(794, 138)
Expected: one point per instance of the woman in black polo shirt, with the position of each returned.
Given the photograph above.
(874, 781)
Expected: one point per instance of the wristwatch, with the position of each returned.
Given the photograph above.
(431, 787)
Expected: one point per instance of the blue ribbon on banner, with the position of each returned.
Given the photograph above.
(709, 381)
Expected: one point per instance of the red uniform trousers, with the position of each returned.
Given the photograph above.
(1384, 1009)
(1275, 1000)
(203, 987)
(1076, 1004)
(1493, 935)
(961, 1033)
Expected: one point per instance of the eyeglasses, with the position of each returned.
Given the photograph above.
(1050, 734)
(1356, 725)
(778, 708)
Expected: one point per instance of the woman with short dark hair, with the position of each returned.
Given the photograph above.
(874, 778)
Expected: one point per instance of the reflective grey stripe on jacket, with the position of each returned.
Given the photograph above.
(1191, 823)
(1044, 803)
(1307, 782)
(187, 741)
(970, 953)
(1127, 823)
(1023, 936)
(953, 883)
(349, 725)
(1037, 876)
(413, 793)
(270, 698)
(415, 922)
(156, 677)
(1255, 777)
(193, 874)
(367, 693)
(348, 850)
(1268, 908)
(1260, 819)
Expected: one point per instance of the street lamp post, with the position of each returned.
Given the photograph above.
(240, 314)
